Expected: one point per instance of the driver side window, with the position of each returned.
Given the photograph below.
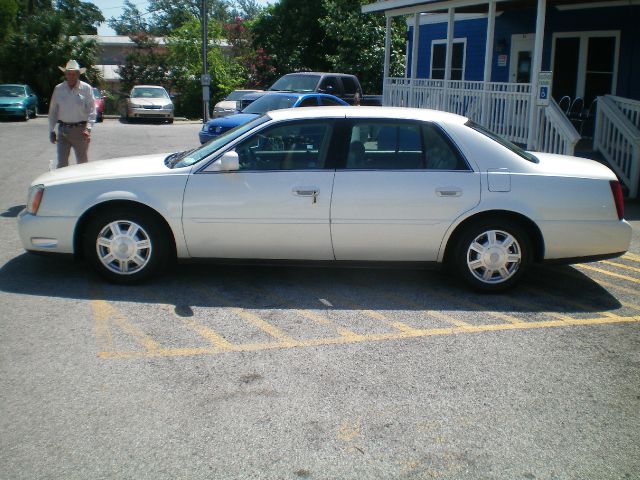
(294, 146)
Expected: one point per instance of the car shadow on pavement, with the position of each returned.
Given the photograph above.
(558, 289)
(12, 212)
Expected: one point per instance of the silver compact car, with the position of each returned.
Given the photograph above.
(335, 184)
(149, 102)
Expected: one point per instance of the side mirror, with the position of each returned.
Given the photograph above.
(227, 163)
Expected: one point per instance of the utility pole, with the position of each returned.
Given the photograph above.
(205, 79)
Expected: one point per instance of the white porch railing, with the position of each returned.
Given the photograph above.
(618, 139)
(556, 133)
(501, 107)
(631, 108)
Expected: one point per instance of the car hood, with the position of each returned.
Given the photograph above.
(565, 165)
(129, 167)
(149, 101)
(12, 100)
(232, 120)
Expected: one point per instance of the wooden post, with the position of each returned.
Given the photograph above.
(387, 56)
(448, 59)
(488, 60)
(414, 57)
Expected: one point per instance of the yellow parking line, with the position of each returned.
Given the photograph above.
(264, 326)
(621, 265)
(531, 304)
(429, 313)
(105, 312)
(601, 282)
(569, 301)
(575, 322)
(607, 272)
(477, 306)
(101, 315)
(631, 256)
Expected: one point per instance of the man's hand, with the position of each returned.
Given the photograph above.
(86, 133)
(52, 137)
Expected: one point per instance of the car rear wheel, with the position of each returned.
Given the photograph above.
(125, 246)
(492, 256)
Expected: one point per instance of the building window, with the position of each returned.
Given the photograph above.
(439, 55)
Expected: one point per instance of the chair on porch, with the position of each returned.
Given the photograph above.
(588, 120)
(576, 112)
(565, 104)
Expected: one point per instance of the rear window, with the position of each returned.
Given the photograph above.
(296, 83)
(504, 142)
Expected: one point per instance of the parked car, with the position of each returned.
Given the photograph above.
(336, 185)
(265, 103)
(18, 101)
(342, 85)
(99, 99)
(228, 105)
(149, 102)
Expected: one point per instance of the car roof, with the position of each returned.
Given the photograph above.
(322, 73)
(148, 86)
(13, 84)
(390, 113)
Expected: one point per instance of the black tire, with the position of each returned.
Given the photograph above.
(170, 121)
(501, 244)
(122, 256)
(35, 112)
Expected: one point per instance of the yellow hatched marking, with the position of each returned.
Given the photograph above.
(104, 313)
(632, 256)
(309, 314)
(574, 303)
(604, 283)
(621, 265)
(476, 306)
(256, 321)
(429, 313)
(163, 352)
(101, 315)
(529, 304)
(611, 274)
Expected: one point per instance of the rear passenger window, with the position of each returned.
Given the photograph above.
(439, 152)
(350, 86)
(329, 102)
(309, 102)
(388, 146)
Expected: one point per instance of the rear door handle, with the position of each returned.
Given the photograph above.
(448, 192)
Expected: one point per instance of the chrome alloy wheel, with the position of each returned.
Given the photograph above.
(494, 256)
(123, 247)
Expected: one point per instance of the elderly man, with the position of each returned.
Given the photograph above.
(73, 108)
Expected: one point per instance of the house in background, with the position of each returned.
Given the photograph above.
(483, 58)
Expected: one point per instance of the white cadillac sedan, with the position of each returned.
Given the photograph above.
(336, 184)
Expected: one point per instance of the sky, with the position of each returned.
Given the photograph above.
(113, 8)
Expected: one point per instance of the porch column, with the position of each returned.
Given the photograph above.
(387, 58)
(535, 68)
(488, 59)
(414, 58)
(448, 59)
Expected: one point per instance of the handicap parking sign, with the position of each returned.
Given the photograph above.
(544, 87)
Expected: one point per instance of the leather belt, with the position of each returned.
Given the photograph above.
(77, 124)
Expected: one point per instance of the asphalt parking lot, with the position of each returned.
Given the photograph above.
(227, 372)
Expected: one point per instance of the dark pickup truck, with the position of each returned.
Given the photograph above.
(342, 85)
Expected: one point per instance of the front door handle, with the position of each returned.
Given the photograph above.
(307, 192)
(448, 192)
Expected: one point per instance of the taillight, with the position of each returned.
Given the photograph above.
(616, 190)
(35, 198)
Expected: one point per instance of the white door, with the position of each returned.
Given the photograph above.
(402, 187)
(521, 58)
(276, 206)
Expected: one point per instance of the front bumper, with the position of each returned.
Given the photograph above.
(13, 111)
(157, 113)
(46, 234)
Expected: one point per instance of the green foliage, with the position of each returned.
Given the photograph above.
(358, 41)
(185, 67)
(145, 65)
(130, 22)
(83, 17)
(290, 34)
(8, 12)
(39, 44)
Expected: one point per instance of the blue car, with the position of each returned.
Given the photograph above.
(18, 101)
(266, 102)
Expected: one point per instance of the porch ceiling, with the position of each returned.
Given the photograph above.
(402, 7)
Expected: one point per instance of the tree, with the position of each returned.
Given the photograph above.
(358, 41)
(290, 34)
(144, 65)
(8, 12)
(130, 22)
(83, 17)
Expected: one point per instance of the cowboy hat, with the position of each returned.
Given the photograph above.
(72, 65)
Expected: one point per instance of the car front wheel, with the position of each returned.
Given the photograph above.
(493, 256)
(125, 247)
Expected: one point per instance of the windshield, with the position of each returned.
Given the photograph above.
(144, 92)
(11, 91)
(191, 157)
(296, 83)
(504, 142)
(271, 102)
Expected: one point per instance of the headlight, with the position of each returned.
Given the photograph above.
(168, 106)
(135, 105)
(34, 199)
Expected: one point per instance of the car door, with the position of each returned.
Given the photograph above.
(276, 206)
(401, 187)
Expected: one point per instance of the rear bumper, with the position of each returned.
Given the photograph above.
(569, 241)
